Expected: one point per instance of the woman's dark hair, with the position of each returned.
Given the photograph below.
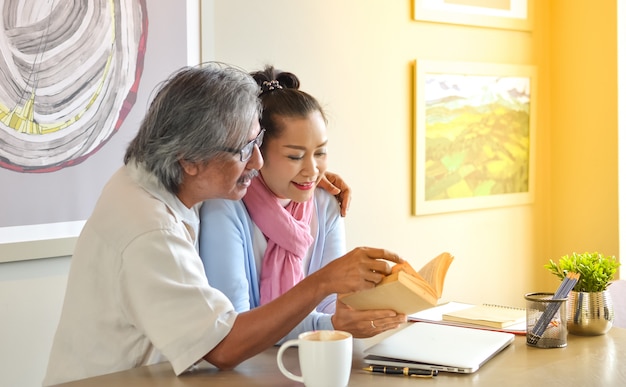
(280, 97)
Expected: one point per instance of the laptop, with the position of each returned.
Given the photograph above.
(439, 347)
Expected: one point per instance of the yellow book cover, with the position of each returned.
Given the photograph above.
(404, 290)
(488, 315)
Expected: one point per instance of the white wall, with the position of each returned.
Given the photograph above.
(31, 295)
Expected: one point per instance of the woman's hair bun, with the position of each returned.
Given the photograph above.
(271, 79)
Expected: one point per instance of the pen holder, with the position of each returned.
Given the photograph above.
(546, 320)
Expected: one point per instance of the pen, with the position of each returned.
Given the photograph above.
(416, 372)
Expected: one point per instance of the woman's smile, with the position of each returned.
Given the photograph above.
(304, 186)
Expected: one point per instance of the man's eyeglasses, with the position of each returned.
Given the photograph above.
(245, 153)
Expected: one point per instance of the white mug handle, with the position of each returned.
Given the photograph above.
(279, 360)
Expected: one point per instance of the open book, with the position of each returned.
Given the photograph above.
(404, 290)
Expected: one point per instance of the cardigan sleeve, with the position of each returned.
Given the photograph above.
(226, 252)
(331, 240)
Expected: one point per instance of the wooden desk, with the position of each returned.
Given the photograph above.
(586, 361)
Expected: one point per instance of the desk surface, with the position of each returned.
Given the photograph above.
(586, 361)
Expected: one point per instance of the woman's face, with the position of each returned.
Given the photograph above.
(296, 161)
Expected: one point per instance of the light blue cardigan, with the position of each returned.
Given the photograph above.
(227, 250)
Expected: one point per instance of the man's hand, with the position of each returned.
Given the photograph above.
(335, 185)
(359, 269)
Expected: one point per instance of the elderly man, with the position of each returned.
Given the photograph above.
(137, 293)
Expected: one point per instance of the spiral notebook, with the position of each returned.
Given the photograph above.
(435, 315)
(489, 315)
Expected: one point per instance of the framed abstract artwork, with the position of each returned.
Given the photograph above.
(75, 80)
(505, 14)
(474, 135)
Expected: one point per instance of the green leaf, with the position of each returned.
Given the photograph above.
(596, 271)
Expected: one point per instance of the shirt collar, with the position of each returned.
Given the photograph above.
(151, 184)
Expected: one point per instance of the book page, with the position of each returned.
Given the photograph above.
(434, 272)
(397, 295)
(404, 290)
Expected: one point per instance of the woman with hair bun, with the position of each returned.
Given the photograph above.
(284, 228)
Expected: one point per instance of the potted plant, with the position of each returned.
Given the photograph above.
(589, 304)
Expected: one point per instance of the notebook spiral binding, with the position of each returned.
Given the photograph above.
(503, 306)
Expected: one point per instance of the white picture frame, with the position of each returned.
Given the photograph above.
(503, 14)
(475, 130)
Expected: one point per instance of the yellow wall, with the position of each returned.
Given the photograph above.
(356, 56)
(583, 84)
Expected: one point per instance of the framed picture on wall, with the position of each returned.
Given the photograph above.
(70, 102)
(506, 14)
(474, 135)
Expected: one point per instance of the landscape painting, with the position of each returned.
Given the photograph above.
(474, 135)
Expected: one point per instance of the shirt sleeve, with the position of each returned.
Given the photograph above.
(226, 251)
(165, 295)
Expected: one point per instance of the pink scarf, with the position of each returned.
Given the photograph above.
(287, 230)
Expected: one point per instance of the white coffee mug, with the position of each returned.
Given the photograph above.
(325, 358)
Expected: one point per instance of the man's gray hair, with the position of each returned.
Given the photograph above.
(196, 114)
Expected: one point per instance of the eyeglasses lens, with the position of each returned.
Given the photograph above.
(248, 149)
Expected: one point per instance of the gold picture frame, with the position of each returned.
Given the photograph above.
(504, 14)
(474, 135)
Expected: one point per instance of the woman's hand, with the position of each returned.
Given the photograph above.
(335, 185)
(365, 323)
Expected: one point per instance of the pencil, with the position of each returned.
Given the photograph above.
(566, 286)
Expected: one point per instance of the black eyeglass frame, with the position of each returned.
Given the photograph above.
(245, 153)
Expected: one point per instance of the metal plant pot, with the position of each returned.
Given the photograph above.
(589, 314)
